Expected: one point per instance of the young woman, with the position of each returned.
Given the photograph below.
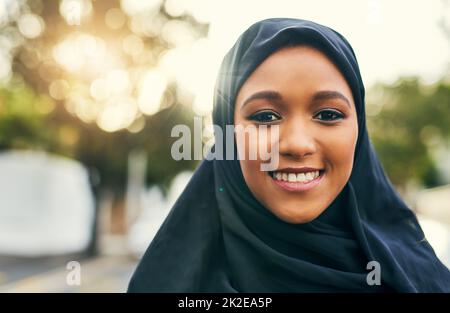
(326, 218)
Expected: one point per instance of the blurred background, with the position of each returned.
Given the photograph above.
(90, 90)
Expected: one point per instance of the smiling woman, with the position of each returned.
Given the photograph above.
(318, 221)
(304, 93)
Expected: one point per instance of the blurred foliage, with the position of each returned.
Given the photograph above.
(408, 122)
(34, 114)
(25, 123)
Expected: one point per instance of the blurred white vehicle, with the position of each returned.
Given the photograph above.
(46, 205)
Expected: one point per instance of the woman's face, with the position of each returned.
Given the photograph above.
(302, 91)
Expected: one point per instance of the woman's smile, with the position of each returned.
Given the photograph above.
(297, 179)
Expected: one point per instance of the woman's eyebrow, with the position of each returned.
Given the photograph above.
(329, 94)
(270, 95)
(275, 96)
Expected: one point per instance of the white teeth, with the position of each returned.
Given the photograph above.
(292, 177)
(299, 177)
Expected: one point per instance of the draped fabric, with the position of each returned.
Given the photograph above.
(219, 238)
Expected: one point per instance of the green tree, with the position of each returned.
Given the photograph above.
(407, 121)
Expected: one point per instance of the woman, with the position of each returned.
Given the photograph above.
(325, 218)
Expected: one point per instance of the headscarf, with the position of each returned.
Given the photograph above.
(219, 238)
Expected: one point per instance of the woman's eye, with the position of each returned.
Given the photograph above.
(265, 117)
(329, 115)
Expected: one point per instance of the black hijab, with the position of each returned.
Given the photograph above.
(219, 238)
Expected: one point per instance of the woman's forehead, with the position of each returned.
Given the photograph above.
(296, 70)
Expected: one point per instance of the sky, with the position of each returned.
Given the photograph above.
(390, 38)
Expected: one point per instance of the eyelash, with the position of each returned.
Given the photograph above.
(338, 115)
(257, 117)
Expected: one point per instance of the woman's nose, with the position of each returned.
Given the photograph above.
(296, 140)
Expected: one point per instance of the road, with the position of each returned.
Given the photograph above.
(103, 274)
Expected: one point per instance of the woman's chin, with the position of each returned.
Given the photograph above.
(294, 216)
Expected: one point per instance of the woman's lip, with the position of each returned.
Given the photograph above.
(298, 186)
(298, 170)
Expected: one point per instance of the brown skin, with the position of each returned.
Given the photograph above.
(317, 132)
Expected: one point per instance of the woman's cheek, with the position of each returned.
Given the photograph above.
(341, 151)
(249, 164)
